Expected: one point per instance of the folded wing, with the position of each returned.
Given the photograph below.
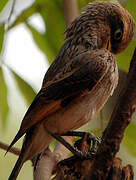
(77, 77)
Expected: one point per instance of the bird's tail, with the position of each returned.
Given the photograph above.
(21, 159)
(17, 168)
(36, 140)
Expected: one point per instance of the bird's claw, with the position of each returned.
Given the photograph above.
(85, 155)
(95, 142)
(92, 141)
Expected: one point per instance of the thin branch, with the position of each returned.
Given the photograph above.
(13, 150)
(70, 10)
(114, 132)
(11, 12)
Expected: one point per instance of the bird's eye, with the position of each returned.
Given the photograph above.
(118, 34)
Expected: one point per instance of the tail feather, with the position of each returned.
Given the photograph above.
(16, 138)
(36, 140)
(20, 161)
(16, 168)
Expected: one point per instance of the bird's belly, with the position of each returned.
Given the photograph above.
(71, 117)
(82, 109)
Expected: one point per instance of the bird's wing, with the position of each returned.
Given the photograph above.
(86, 70)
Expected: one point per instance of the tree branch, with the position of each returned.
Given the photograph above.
(13, 150)
(114, 132)
(70, 10)
(47, 164)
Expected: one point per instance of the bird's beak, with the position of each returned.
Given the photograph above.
(107, 45)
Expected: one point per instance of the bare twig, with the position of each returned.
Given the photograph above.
(11, 12)
(114, 132)
(13, 150)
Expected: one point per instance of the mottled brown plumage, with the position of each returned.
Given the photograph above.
(79, 81)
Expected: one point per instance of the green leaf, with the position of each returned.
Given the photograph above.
(2, 32)
(25, 15)
(4, 107)
(2, 4)
(42, 42)
(130, 138)
(53, 16)
(25, 89)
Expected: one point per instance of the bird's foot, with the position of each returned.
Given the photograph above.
(81, 148)
(87, 145)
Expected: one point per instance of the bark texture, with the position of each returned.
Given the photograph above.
(74, 168)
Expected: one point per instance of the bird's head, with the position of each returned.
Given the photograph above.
(104, 25)
(121, 28)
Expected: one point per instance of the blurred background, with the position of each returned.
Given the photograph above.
(31, 34)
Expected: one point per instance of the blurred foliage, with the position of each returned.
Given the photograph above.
(4, 108)
(49, 42)
(130, 138)
(2, 32)
(25, 89)
(131, 7)
(123, 59)
(2, 4)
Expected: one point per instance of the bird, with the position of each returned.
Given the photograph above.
(79, 81)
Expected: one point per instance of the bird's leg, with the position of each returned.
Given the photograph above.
(74, 150)
(90, 138)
